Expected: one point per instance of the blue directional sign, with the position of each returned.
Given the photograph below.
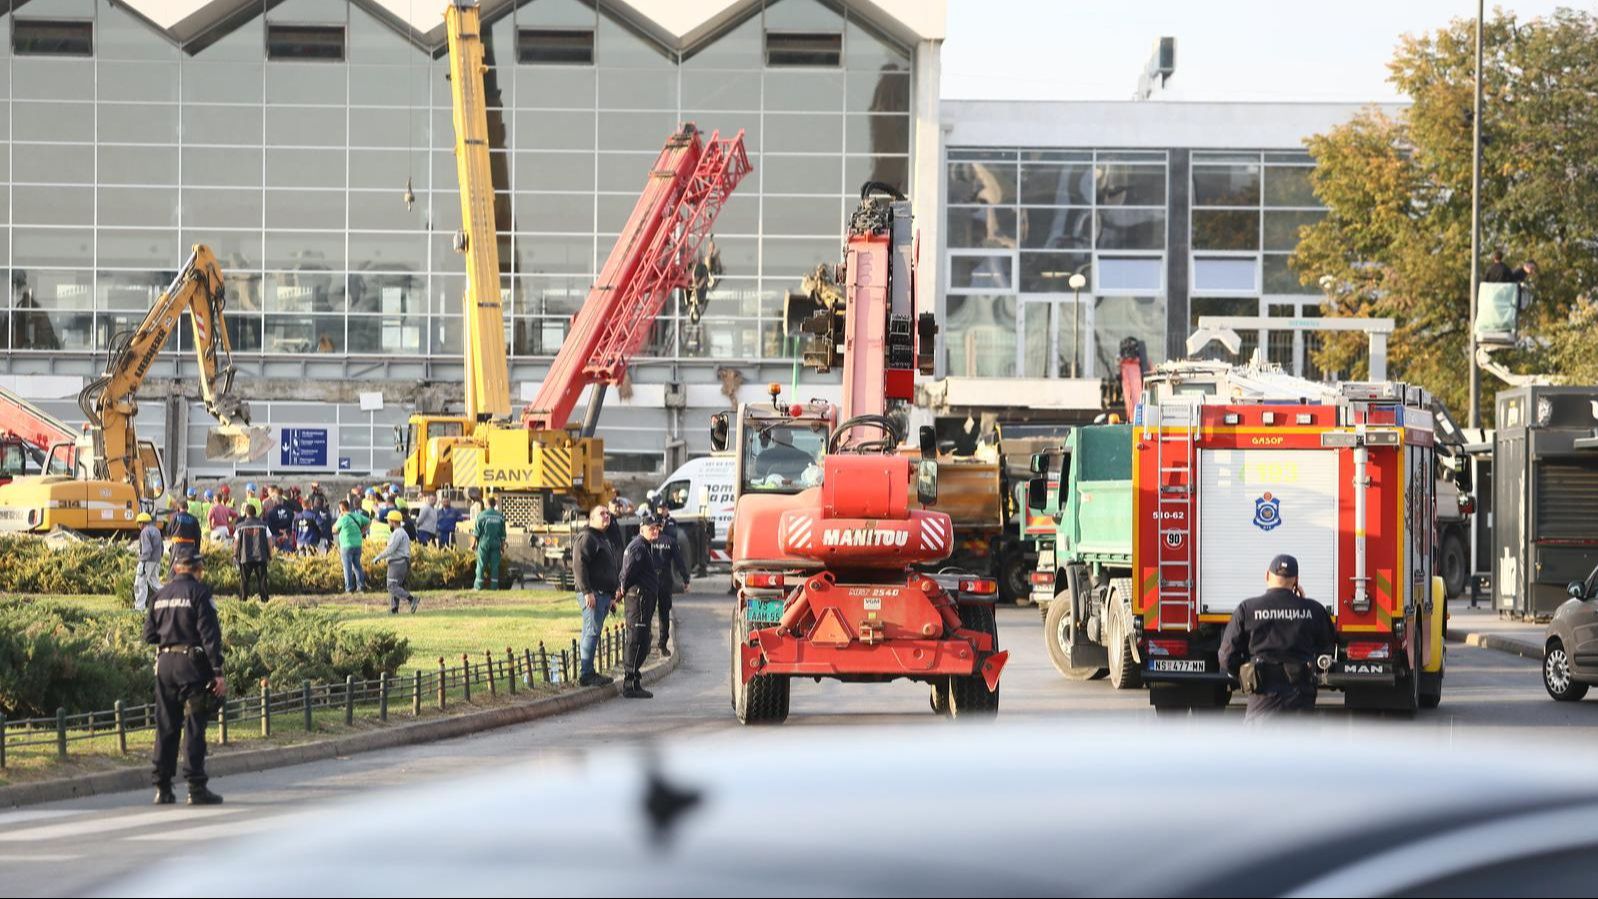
(344, 463)
(302, 447)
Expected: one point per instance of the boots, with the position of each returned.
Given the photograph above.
(163, 794)
(634, 689)
(203, 796)
(595, 680)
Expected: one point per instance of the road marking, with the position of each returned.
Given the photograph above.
(34, 814)
(220, 831)
(37, 857)
(104, 825)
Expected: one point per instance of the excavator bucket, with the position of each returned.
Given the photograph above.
(238, 443)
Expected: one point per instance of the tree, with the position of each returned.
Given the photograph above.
(1396, 239)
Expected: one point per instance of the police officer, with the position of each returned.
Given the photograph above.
(1272, 642)
(640, 582)
(668, 558)
(188, 676)
(488, 531)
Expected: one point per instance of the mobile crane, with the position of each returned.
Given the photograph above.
(541, 469)
(26, 435)
(113, 473)
(830, 516)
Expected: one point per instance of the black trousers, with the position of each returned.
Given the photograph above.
(252, 573)
(664, 608)
(640, 611)
(178, 678)
(1278, 701)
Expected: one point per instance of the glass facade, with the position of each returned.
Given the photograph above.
(288, 141)
(1021, 223)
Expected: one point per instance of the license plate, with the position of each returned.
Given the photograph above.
(1187, 665)
(763, 611)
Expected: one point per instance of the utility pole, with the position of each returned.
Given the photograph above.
(1475, 222)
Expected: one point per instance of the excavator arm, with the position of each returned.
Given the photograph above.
(110, 401)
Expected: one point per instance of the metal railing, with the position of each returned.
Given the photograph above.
(271, 708)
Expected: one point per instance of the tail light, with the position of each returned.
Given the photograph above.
(979, 586)
(1467, 505)
(1359, 652)
(763, 579)
(1041, 578)
(1176, 648)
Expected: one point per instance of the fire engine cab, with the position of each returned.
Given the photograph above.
(1343, 480)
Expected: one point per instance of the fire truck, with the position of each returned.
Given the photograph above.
(830, 517)
(1224, 480)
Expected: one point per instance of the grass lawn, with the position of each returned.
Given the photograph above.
(449, 623)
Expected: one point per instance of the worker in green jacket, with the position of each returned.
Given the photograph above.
(489, 533)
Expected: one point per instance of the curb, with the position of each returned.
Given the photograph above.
(1508, 645)
(225, 764)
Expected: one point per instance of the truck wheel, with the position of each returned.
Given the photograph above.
(764, 698)
(1556, 674)
(1015, 582)
(1057, 629)
(1431, 690)
(1452, 564)
(940, 697)
(1124, 673)
(969, 696)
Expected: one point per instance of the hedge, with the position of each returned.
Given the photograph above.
(54, 654)
(28, 565)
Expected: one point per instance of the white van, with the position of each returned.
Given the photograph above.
(703, 488)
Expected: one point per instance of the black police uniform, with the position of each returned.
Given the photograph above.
(640, 584)
(1279, 634)
(182, 622)
(668, 557)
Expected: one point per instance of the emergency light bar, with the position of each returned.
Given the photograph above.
(1347, 439)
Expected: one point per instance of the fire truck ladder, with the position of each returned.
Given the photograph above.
(1175, 455)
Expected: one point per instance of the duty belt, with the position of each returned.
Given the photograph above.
(175, 649)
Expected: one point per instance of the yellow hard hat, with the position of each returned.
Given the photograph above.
(142, 517)
(396, 515)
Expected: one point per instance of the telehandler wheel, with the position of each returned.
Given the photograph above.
(1057, 630)
(764, 698)
(940, 697)
(969, 696)
(1124, 673)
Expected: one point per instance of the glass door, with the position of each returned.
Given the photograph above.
(1049, 343)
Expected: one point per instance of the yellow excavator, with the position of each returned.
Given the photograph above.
(108, 475)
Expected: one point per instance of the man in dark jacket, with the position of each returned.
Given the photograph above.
(1499, 272)
(669, 558)
(1272, 642)
(594, 567)
(188, 677)
(640, 585)
(252, 549)
(184, 531)
(280, 521)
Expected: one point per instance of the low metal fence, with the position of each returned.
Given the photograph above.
(271, 707)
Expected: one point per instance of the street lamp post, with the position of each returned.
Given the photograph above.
(1475, 224)
(1076, 283)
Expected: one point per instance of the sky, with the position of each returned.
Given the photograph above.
(1237, 50)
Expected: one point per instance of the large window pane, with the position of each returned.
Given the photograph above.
(1131, 229)
(221, 167)
(801, 174)
(223, 124)
(237, 250)
(717, 90)
(1289, 186)
(304, 334)
(311, 289)
(555, 212)
(886, 91)
(53, 206)
(132, 291)
(556, 130)
(635, 130)
(1282, 227)
(636, 89)
(555, 87)
(557, 255)
(800, 90)
(553, 171)
(138, 207)
(982, 182)
(811, 216)
(52, 246)
(1226, 229)
(52, 79)
(386, 252)
(1226, 185)
(982, 227)
(309, 84)
(1057, 183)
(783, 256)
(981, 273)
(388, 169)
(397, 85)
(241, 82)
(306, 126)
(52, 164)
(1117, 318)
(52, 121)
(396, 294)
(1118, 184)
(1056, 229)
(385, 209)
(144, 81)
(305, 168)
(894, 171)
(1051, 272)
(222, 208)
(306, 208)
(387, 335)
(867, 50)
(1279, 278)
(979, 335)
(144, 123)
(305, 249)
(138, 165)
(148, 248)
(1225, 273)
(1130, 274)
(880, 134)
(803, 133)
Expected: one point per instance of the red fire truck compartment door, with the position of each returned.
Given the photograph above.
(1255, 503)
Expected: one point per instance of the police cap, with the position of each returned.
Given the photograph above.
(648, 517)
(1284, 565)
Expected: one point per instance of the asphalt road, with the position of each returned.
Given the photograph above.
(93, 844)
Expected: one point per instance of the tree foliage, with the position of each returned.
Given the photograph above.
(1396, 239)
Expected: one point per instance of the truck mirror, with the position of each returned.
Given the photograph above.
(1037, 493)
(927, 480)
(1576, 589)
(719, 428)
(929, 442)
(402, 440)
(1040, 463)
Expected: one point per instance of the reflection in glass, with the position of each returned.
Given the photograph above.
(981, 334)
(301, 334)
(388, 294)
(1282, 227)
(1226, 229)
(1056, 229)
(386, 334)
(973, 272)
(1116, 318)
(1226, 185)
(1131, 229)
(312, 288)
(982, 227)
(993, 183)
(130, 291)
(1057, 183)
(1200, 306)
(1051, 272)
(1289, 186)
(1279, 278)
(1130, 185)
